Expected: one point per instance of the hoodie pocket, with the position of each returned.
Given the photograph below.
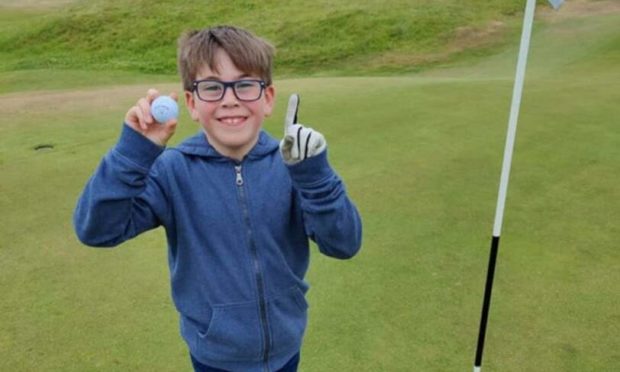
(234, 334)
(288, 318)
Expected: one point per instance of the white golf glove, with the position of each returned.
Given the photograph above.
(299, 142)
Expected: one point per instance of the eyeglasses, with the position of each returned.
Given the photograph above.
(246, 90)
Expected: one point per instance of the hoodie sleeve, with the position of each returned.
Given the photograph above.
(124, 197)
(331, 218)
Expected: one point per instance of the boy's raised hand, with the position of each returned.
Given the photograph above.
(299, 142)
(140, 119)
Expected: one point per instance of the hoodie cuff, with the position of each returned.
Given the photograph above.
(137, 148)
(311, 170)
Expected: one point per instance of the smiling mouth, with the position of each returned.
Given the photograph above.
(232, 120)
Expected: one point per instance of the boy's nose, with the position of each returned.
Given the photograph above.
(229, 99)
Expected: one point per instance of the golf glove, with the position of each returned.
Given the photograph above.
(299, 142)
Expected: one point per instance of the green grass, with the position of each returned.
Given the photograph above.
(61, 79)
(311, 37)
(421, 157)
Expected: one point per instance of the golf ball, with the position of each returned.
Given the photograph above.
(164, 108)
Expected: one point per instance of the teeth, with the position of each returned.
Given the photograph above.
(232, 121)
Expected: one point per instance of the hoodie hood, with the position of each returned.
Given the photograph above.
(199, 145)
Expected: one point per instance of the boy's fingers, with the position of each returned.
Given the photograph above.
(287, 146)
(151, 94)
(296, 137)
(171, 124)
(291, 112)
(174, 96)
(144, 105)
(137, 112)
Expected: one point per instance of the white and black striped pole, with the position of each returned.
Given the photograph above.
(517, 92)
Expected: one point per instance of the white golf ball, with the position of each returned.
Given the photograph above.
(164, 108)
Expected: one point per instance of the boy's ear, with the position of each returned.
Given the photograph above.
(191, 105)
(270, 99)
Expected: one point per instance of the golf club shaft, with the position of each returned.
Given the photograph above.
(503, 186)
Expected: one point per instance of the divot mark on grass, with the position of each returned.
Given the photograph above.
(43, 147)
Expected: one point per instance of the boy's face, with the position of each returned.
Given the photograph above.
(232, 126)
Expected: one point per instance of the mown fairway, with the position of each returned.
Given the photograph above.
(421, 156)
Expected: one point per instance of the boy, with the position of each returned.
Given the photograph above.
(237, 206)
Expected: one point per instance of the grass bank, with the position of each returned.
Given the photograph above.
(311, 36)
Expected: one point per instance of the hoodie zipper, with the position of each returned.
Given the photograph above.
(257, 269)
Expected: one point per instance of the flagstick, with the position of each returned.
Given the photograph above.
(528, 20)
(503, 185)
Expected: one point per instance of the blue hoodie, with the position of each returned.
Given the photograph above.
(237, 236)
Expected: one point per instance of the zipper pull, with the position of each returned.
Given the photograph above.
(239, 179)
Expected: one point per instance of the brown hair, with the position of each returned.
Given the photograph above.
(249, 53)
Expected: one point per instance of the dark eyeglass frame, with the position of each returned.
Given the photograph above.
(229, 84)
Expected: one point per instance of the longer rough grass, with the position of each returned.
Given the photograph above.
(311, 36)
